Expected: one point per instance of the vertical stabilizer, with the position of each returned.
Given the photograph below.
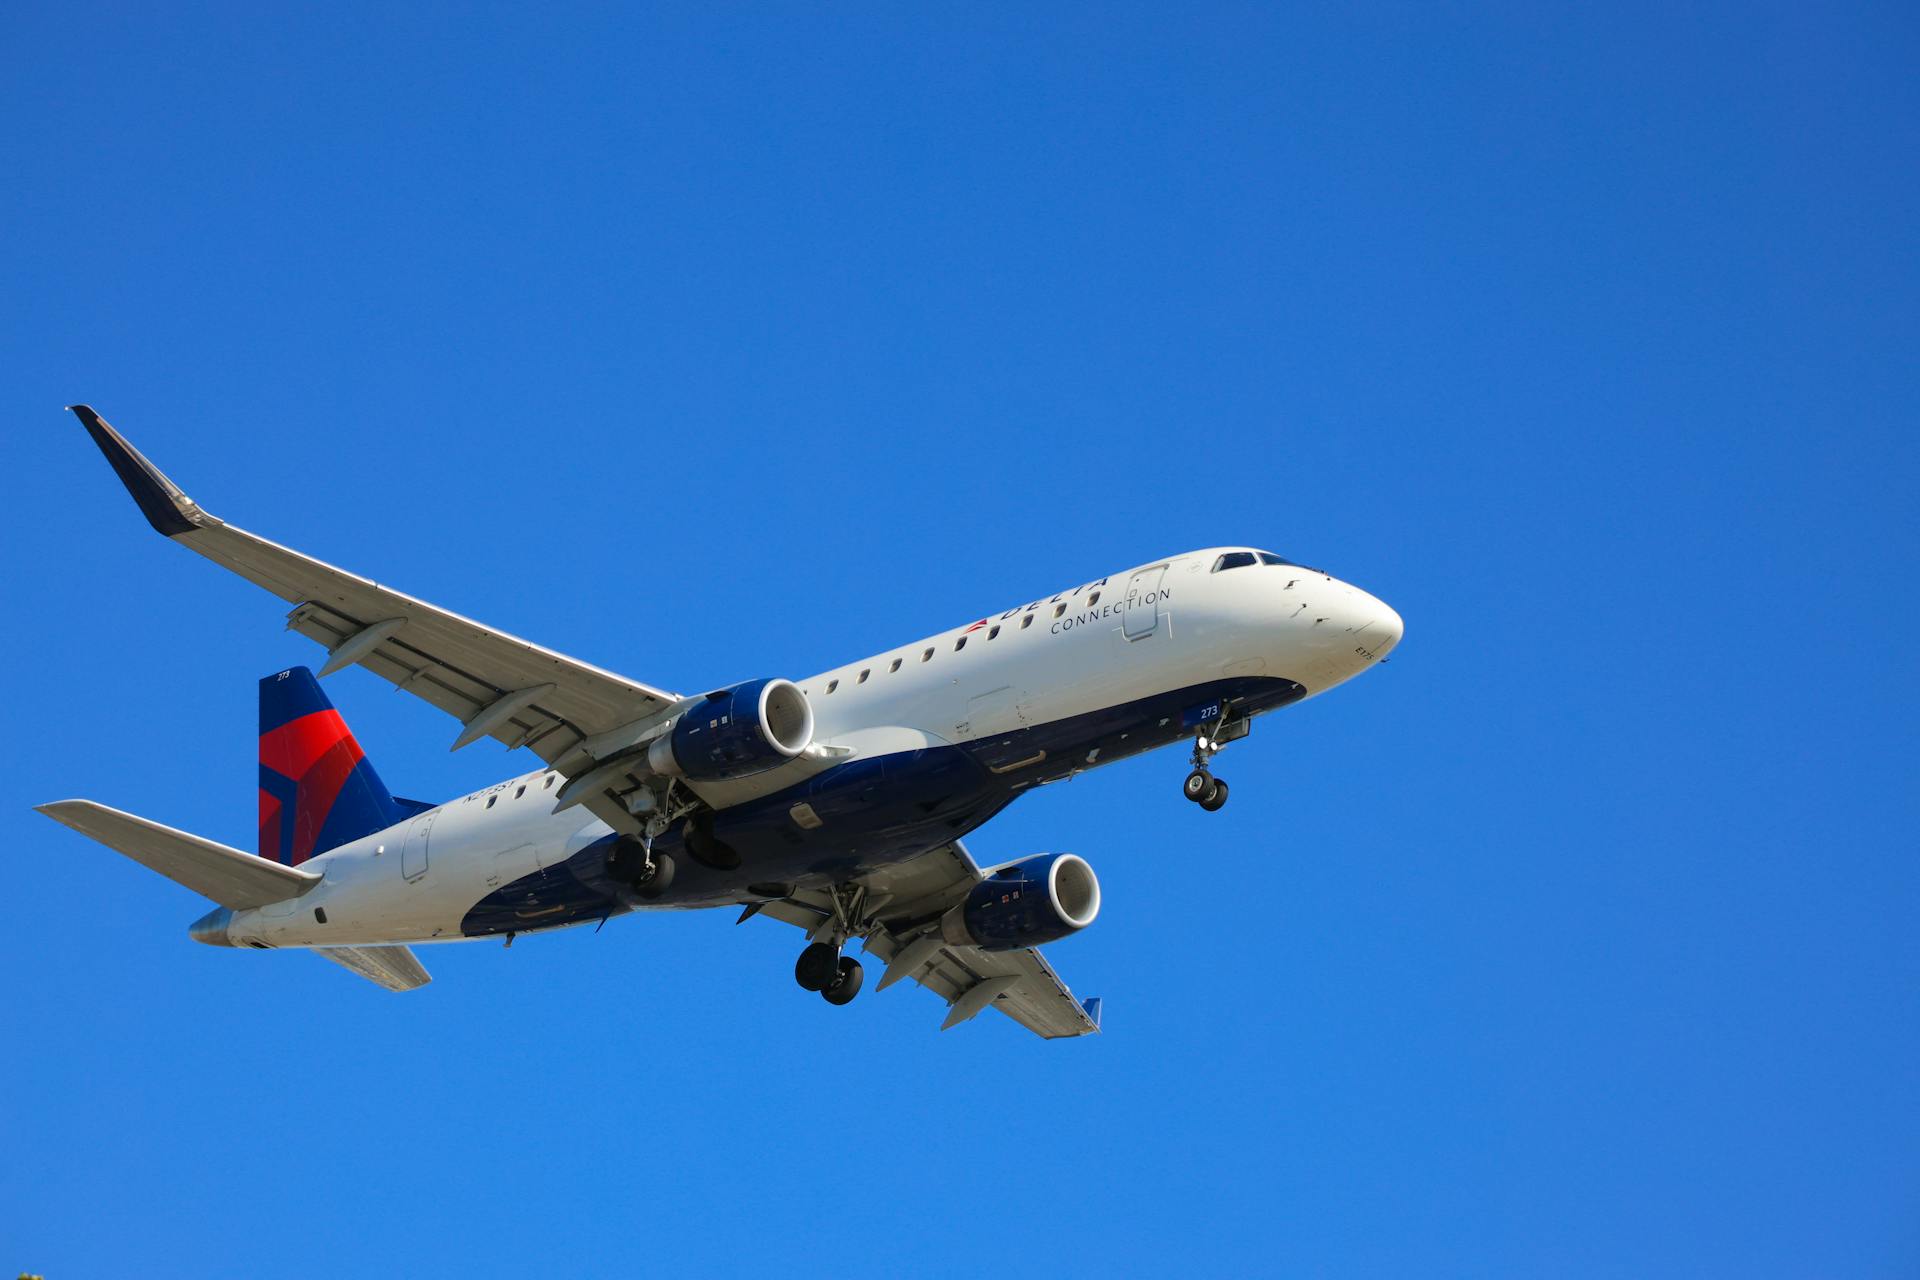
(318, 790)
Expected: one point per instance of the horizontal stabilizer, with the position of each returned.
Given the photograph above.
(394, 968)
(225, 874)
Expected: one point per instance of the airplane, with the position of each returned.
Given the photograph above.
(836, 803)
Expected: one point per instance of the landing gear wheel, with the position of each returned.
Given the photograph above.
(1198, 786)
(707, 851)
(651, 884)
(1216, 798)
(627, 862)
(846, 981)
(817, 967)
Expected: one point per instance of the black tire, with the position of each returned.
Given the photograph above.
(1216, 799)
(846, 982)
(1197, 786)
(704, 849)
(627, 863)
(817, 967)
(661, 879)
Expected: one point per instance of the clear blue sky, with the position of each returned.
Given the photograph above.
(708, 343)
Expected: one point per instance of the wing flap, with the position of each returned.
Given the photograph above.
(1024, 986)
(225, 874)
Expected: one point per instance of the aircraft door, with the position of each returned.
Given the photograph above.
(413, 854)
(1140, 616)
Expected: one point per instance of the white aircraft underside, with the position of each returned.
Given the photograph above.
(837, 806)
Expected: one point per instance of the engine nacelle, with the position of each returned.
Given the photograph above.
(743, 729)
(1027, 904)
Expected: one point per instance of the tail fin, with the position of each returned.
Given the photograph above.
(318, 790)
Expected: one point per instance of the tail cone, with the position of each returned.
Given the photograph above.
(211, 928)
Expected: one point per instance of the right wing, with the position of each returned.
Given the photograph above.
(909, 898)
(567, 712)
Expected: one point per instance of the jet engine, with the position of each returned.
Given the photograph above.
(732, 732)
(1026, 904)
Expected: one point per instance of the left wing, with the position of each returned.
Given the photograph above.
(900, 911)
(567, 712)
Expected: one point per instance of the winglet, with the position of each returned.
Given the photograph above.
(161, 501)
(1091, 1007)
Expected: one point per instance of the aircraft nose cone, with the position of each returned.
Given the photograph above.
(211, 928)
(1387, 625)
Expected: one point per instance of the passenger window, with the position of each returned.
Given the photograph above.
(927, 656)
(959, 644)
(993, 632)
(1094, 598)
(1026, 622)
(1234, 560)
(864, 673)
(548, 785)
(490, 800)
(522, 791)
(895, 667)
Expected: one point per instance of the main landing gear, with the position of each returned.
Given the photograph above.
(633, 862)
(822, 968)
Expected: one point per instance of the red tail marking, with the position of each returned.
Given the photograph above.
(269, 845)
(291, 749)
(319, 787)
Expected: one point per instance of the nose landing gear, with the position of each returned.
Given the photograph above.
(1205, 790)
(1201, 787)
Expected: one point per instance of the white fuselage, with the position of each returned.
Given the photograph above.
(1028, 684)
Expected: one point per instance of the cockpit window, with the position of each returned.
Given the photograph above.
(1267, 557)
(1234, 560)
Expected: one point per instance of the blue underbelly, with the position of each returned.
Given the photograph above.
(870, 812)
